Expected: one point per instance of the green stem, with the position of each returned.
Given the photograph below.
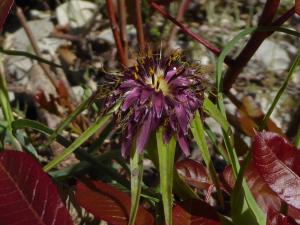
(199, 136)
(136, 168)
(166, 154)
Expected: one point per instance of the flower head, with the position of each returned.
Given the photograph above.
(157, 91)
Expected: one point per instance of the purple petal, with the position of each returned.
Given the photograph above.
(125, 147)
(180, 82)
(127, 139)
(145, 95)
(158, 104)
(182, 117)
(130, 98)
(129, 84)
(144, 133)
(193, 103)
(173, 122)
(170, 74)
(183, 144)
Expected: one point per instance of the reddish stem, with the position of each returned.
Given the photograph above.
(196, 37)
(182, 9)
(116, 31)
(139, 25)
(253, 44)
(123, 23)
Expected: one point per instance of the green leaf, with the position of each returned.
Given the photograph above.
(244, 213)
(25, 123)
(166, 154)
(227, 133)
(81, 139)
(7, 111)
(180, 188)
(136, 169)
(215, 113)
(199, 136)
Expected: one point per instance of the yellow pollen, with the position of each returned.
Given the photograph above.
(151, 71)
(135, 76)
(157, 81)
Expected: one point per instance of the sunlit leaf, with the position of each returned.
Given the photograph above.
(268, 150)
(27, 194)
(194, 173)
(107, 203)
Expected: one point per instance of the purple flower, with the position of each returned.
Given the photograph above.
(157, 91)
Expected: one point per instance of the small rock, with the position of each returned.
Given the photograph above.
(75, 13)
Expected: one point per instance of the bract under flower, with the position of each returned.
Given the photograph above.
(157, 91)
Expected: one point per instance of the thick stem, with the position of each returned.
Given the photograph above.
(253, 44)
(196, 37)
(123, 23)
(116, 31)
(182, 9)
(139, 25)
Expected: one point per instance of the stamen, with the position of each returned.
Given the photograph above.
(152, 80)
(157, 85)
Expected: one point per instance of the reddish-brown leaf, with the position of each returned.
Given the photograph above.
(27, 194)
(194, 173)
(5, 7)
(107, 203)
(270, 153)
(195, 212)
(263, 195)
(276, 218)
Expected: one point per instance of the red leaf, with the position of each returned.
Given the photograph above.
(263, 195)
(269, 149)
(195, 212)
(276, 218)
(27, 194)
(5, 7)
(297, 7)
(107, 203)
(194, 173)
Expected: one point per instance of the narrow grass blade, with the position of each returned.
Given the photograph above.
(199, 137)
(213, 138)
(81, 139)
(136, 168)
(227, 134)
(280, 92)
(166, 153)
(215, 113)
(28, 55)
(25, 123)
(180, 188)
(7, 110)
(71, 117)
